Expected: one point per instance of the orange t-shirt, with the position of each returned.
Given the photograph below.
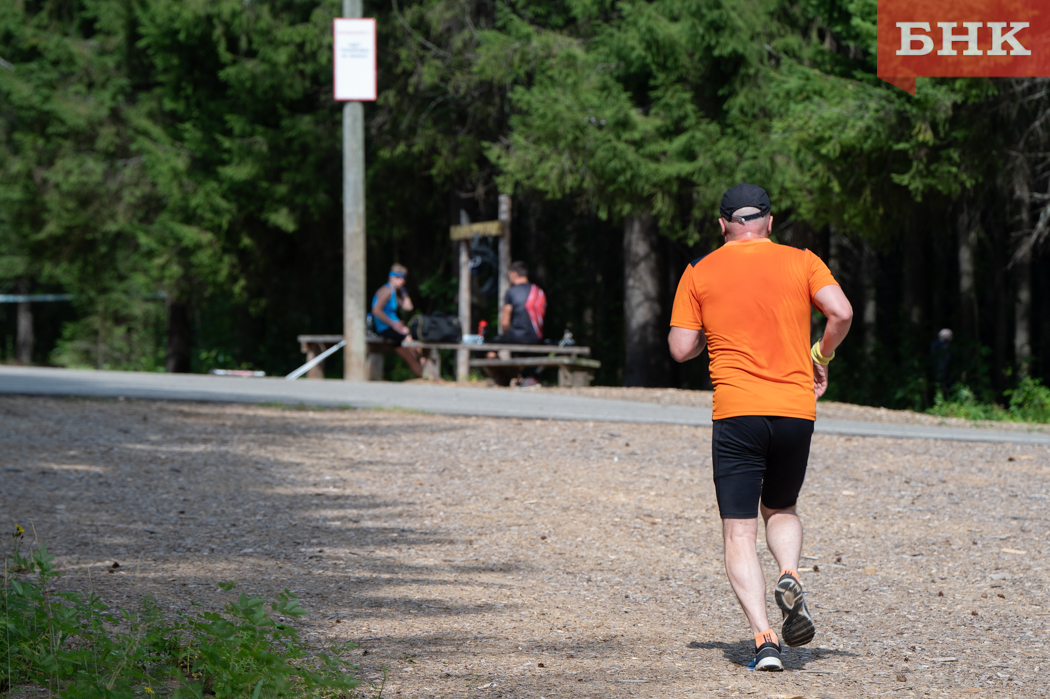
(752, 299)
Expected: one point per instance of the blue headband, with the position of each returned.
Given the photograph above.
(398, 274)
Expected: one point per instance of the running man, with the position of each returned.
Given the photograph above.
(749, 303)
(385, 303)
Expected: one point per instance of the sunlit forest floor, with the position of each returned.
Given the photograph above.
(509, 558)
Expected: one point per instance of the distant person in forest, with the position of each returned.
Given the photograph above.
(941, 361)
(749, 303)
(521, 318)
(386, 302)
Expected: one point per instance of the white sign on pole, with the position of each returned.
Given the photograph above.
(354, 47)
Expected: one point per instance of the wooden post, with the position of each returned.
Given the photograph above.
(354, 231)
(24, 341)
(375, 366)
(312, 350)
(504, 250)
(432, 365)
(463, 356)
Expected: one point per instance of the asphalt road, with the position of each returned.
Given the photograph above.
(443, 399)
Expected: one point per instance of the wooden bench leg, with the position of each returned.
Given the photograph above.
(432, 366)
(375, 366)
(574, 378)
(312, 350)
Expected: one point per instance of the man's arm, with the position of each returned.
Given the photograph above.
(377, 311)
(686, 344)
(504, 317)
(833, 304)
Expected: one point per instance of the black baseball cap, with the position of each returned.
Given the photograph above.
(742, 196)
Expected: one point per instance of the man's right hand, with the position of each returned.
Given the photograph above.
(820, 379)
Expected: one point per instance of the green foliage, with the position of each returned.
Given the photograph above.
(964, 404)
(622, 111)
(193, 148)
(1029, 402)
(207, 360)
(71, 644)
(122, 333)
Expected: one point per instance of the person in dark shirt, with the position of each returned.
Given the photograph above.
(521, 318)
(941, 361)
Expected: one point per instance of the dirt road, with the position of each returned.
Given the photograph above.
(509, 558)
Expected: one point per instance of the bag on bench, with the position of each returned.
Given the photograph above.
(436, 327)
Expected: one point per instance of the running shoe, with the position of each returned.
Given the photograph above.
(767, 657)
(798, 629)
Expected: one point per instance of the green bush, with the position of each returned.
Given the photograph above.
(1029, 402)
(69, 643)
(964, 404)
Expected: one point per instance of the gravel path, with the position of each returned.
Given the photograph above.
(479, 557)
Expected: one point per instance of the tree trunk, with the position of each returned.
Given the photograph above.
(1022, 274)
(1001, 305)
(836, 245)
(869, 274)
(100, 338)
(645, 348)
(914, 273)
(967, 289)
(179, 337)
(24, 340)
(1021, 268)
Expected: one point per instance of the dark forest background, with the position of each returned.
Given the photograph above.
(176, 167)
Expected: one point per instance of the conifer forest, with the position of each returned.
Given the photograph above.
(173, 170)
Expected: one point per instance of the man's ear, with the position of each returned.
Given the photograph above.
(722, 223)
(769, 228)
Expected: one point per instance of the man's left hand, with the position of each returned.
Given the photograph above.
(820, 379)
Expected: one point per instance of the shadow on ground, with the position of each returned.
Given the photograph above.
(742, 652)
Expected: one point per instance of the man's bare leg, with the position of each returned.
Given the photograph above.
(745, 571)
(783, 536)
(784, 539)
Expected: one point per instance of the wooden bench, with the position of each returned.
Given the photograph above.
(313, 345)
(376, 346)
(572, 371)
(574, 367)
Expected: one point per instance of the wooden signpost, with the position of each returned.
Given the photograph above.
(464, 233)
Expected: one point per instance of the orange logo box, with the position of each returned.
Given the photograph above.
(962, 39)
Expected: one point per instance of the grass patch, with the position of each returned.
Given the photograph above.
(72, 645)
(398, 409)
(303, 407)
(1029, 402)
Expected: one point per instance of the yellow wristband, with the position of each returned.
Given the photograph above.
(819, 358)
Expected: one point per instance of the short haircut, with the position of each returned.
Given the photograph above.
(519, 268)
(399, 270)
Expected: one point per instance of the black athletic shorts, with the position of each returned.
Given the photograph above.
(757, 457)
(393, 335)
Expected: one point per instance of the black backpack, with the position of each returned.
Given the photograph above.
(436, 327)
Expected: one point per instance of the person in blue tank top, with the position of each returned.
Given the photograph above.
(386, 302)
